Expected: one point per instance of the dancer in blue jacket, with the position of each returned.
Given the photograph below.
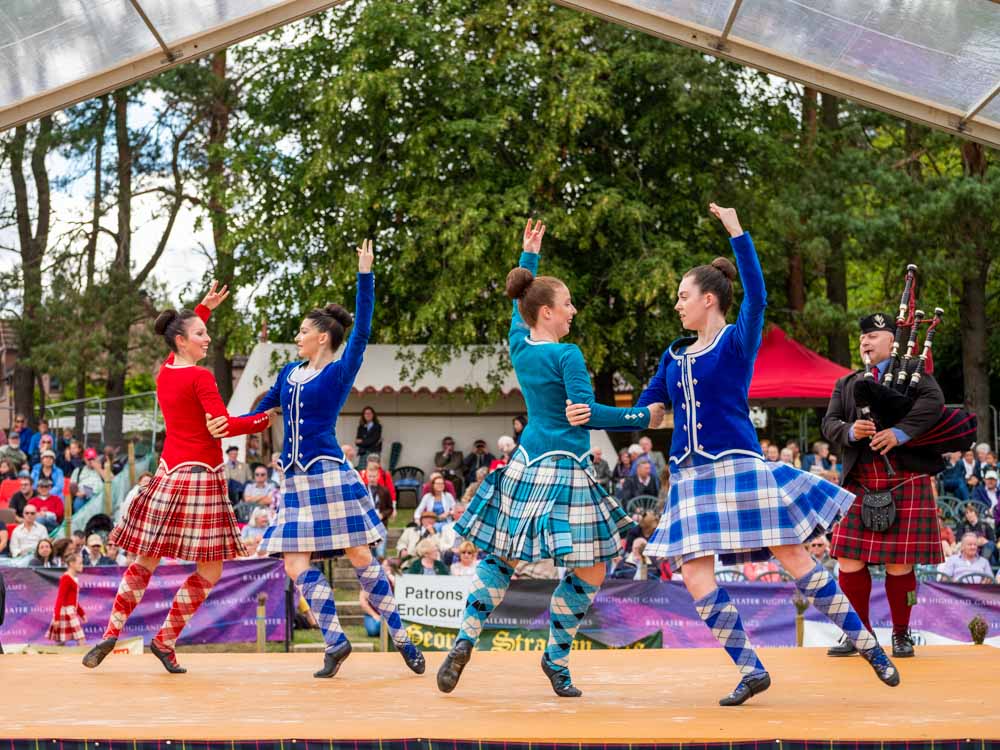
(326, 509)
(724, 498)
(544, 504)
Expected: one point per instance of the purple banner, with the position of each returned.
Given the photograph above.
(229, 615)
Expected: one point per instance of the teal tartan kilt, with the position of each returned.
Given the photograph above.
(551, 509)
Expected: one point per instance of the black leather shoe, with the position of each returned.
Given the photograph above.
(749, 686)
(844, 648)
(96, 655)
(453, 664)
(882, 665)
(167, 658)
(333, 659)
(562, 684)
(414, 658)
(902, 645)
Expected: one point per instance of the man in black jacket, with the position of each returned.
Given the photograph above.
(914, 537)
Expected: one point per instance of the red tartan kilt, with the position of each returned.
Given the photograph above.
(185, 514)
(66, 626)
(914, 538)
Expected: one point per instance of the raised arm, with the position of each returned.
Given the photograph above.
(750, 321)
(576, 379)
(532, 248)
(364, 308)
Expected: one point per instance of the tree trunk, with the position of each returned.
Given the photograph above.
(796, 279)
(838, 343)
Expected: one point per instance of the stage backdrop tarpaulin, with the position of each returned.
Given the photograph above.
(228, 616)
(645, 614)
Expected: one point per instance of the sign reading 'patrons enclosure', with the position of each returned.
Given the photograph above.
(654, 614)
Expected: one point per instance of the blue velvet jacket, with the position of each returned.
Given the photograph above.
(310, 408)
(709, 388)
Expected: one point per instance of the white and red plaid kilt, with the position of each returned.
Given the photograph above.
(66, 626)
(185, 514)
(914, 538)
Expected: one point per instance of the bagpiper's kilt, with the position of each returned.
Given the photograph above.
(738, 508)
(65, 626)
(324, 510)
(184, 514)
(914, 538)
(551, 509)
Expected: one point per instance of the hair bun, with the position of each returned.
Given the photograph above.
(519, 280)
(163, 320)
(338, 313)
(726, 266)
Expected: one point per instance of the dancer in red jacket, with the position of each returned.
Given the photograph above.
(68, 617)
(184, 512)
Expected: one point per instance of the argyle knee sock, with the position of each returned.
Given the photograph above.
(901, 591)
(857, 587)
(821, 588)
(723, 619)
(489, 584)
(373, 580)
(569, 605)
(317, 592)
(191, 595)
(130, 590)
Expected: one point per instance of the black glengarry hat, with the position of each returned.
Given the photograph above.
(877, 322)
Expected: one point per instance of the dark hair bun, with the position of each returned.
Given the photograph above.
(338, 313)
(163, 320)
(519, 280)
(726, 266)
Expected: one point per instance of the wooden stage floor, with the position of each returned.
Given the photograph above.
(629, 697)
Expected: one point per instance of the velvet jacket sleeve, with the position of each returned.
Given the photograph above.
(272, 399)
(576, 379)
(211, 403)
(750, 321)
(364, 308)
(518, 328)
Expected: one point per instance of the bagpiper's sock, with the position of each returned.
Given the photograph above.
(191, 595)
(569, 605)
(902, 594)
(822, 590)
(130, 590)
(373, 580)
(723, 619)
(857, 587)
(316, 590)
(489, 584)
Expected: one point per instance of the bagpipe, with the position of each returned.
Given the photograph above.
(888, 401)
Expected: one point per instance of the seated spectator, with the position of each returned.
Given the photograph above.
(602, 472)
(45, 443)
(253, 532)
(43, 555)
(968, 560)
(819, 548)
(4, 541)
(506, 447)
(622, 471)
(636, 566)
(260, 492)
(369, 434)
(948, 543)
(450, 541)
(773, 454)
(986, 493)
(426, 486)
(428, 562)
(643, 482)
(407, 544)
(47, 468)
(787, 456)
(449, 462)
(115, 553)
(646, 451)
(35, 447)
(144, 479)
(16, 457)
(88, 480)
(472, 489)
(28, 534)
(793, 446)
(518, 424)
(253, 452)
(438, 500)
(479, 458)
(989, 463)
(94, 555)
(465, 560)
(275, 474)
(6, 470)
(973, 524)
(764, 445)
(60, 549)
(970, 469)
(50, 507)
(23, 496)
(754, 570)
(953, 477)
(237, 474)
(820, 462)
(646, 522)
(70, 458)
(982, 452)
(375, 474)
(65, 439)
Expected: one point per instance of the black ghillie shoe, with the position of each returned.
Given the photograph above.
(413, 657)
(167, 657)
(902, 645)
(453, 664)
(844, 648)
(562, 683)
(882, 665)
(333, 659)
(749, 686)
(97, 654)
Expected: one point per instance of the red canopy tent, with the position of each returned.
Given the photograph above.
(790, 374)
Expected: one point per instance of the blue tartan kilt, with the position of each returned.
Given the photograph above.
(738, 508)
(323, 510)
(551, 509)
